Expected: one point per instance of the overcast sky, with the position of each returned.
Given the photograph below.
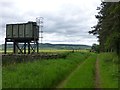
(65, 21)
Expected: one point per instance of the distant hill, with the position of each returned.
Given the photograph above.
(54, 46)
(64, 46)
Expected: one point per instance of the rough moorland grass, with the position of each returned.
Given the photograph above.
(108, 70)
(40, 74)
(83, 77)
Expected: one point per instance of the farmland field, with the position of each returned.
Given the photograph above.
(49, 50)
(77, 70)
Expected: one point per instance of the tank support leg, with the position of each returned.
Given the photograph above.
(37, 46)
(25, 48)
(14, 47)
(28, 47)
(5, 46)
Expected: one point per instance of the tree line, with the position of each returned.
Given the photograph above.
(108, 27)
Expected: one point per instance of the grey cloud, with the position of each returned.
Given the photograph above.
(71, 22)
(5, 3)
(60, 25)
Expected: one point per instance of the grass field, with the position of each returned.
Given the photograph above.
(77, 70)
(108, 70)
(49, 51)
(0, 71)
(40, 74)
(0, 77)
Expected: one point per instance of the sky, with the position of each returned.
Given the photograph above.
(65, 21)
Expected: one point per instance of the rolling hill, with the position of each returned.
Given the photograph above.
(54, 46)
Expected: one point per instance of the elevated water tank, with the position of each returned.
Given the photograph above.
(28, 30)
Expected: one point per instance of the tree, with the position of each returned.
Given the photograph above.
(108, 26)
(95, 48)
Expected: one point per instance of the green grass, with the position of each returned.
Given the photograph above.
(49, 73)
(0, 72)
(83, 77)
(0, 76)
(40, 74)
(108, 70)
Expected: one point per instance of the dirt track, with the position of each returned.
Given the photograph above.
(97, 75)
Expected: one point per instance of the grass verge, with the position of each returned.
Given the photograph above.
(108, 70)
(40, 74)
(0, 72)
(0, 77)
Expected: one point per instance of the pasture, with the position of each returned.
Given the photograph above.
(77, 70)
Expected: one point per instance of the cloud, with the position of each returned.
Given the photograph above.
(65, 21)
